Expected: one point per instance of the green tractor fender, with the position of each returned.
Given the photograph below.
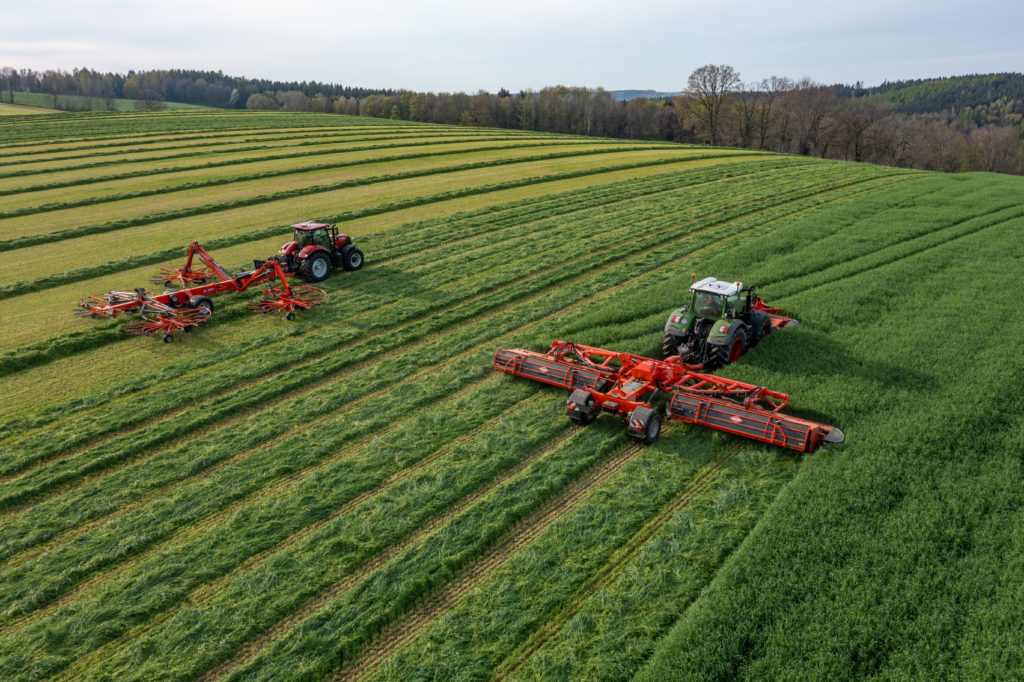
(723, 331)
(679, 322)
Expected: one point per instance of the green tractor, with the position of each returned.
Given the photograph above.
(722, 321)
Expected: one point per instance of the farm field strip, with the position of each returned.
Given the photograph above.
(313, 604)
(96, 242)
(187, 429)
(345, 159)
(110, 390)
(401, 304)
(585, 540)
(176, 143)
(399, 251)
(282, 211)
(199, 133)
(611, 628)
(86, 184)
(612, 569)
(141, 208)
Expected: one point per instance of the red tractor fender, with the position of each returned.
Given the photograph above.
(308, 251)
(288, 249)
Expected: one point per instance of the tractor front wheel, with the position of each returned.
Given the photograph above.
(670, 346)
(352, 259)
(316, 267)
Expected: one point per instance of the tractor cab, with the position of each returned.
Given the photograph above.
(313, 234)
(713, 299)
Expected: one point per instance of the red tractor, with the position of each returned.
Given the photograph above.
(317, 248)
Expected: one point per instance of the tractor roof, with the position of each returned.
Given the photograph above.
(309, 225)
(710, 285)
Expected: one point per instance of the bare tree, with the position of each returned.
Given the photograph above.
(770, 89)
(711, 85)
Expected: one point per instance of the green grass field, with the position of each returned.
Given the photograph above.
(80, 103)
(357, 494)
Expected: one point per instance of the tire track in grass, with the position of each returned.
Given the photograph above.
(398, 633)
(611, 570)
(314, 604)
(210, 589)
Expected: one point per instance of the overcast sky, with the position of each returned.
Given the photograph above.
(453, 45)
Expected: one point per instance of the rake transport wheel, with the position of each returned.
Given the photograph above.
(580, 407)
(644, 424)
(316, 267)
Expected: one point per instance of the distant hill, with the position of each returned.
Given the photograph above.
(981, 99)
(626, 95)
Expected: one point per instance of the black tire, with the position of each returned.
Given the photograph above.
(201, 302)
(168, 338)
(644, 425)
(315, 267)
(290, 315)
(670, 346)
(760, 327)
(584, 413)
(720, 356)
(352, 258)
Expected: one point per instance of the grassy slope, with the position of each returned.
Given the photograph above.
(261, 499)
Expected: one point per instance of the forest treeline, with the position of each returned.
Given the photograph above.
(954, 124)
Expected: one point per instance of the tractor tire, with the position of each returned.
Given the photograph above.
(352, 259)
(316, 267)
(760, 327)
(201, 302)
(720, 356)
(644, 425)
(670, 346)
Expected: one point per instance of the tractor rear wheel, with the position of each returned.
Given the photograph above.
(316, 267)
(720, 356)
(670, 346)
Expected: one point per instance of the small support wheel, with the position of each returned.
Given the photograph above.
(580, 407)
(290, 315)
(644, 424)
(168, 338)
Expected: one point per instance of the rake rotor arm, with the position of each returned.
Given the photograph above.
(626, 384)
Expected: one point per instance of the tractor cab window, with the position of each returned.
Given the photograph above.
(708, 305)
(313, 237)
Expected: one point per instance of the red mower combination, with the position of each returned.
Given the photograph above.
(626, 385)
(317, 247)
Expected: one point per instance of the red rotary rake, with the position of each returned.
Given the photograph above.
(178, 310)
(626, 384)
